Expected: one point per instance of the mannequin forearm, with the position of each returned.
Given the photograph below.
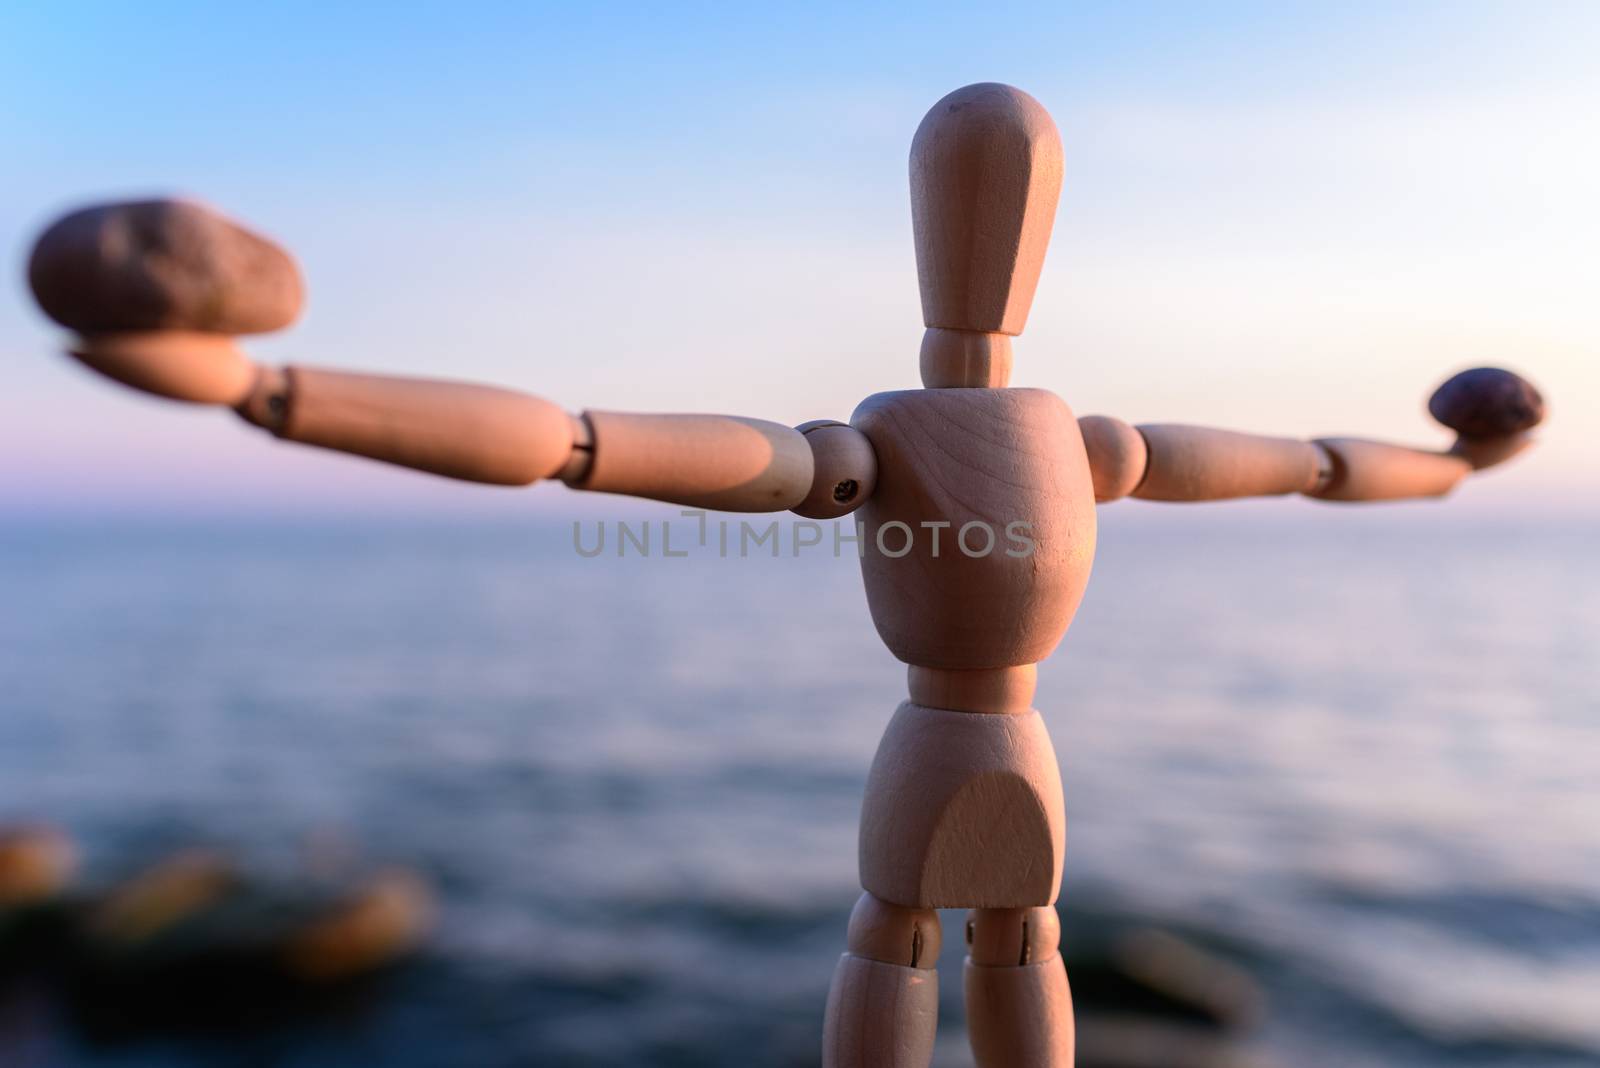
(499, 436)
(1183, 463)
(473, 432)
(1490, 409)
(1190, 463)
(470, 432)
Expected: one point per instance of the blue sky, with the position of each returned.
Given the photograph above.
(1276, 217)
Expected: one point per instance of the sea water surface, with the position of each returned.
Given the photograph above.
(1356, 752)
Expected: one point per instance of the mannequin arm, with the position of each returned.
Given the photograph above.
(1492, 412)
(484, 434)
(156, 291)
(476, 433)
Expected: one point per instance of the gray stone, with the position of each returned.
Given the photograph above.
(162, 265)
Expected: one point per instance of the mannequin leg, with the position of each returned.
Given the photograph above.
(1019, 1009)
(883, 1006)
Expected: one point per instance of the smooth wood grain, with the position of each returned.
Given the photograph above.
(894, 934)
(1193, 463)
(963, 810)
(953, 359)
(1020, 1017)
(1377, 471)
(985, 178)
(456, 429)
(844, 470)
(723, 462)
(880, 1015)
(991, 457)
(1118, 456)
(998, 691)
(1004, 937)
(178, 364)
(963, 803)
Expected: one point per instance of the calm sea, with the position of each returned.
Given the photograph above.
(1357, 753)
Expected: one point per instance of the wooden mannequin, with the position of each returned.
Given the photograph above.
(963, 806)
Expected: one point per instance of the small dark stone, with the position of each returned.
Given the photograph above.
(162, 265)
(1487, 402)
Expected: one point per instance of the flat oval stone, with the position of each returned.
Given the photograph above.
(162, 265)
(1487, 402)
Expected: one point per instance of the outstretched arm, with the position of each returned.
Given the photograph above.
(1492, 412)
(157, 290)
